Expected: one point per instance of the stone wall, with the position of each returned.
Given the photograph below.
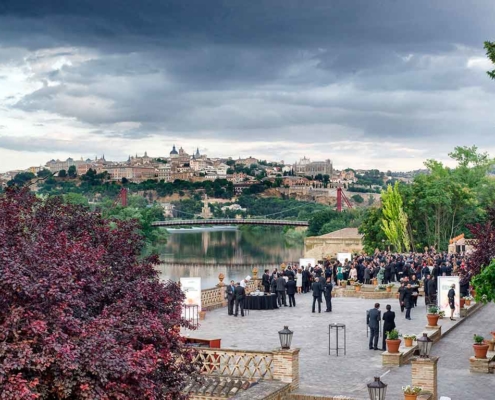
(319, 247)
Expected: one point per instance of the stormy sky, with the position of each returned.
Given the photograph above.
(367, 83)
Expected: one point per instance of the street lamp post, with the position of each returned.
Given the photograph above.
(424, 344)
(377, 389)
(285, 336)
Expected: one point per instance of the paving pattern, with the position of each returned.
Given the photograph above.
(347, 375)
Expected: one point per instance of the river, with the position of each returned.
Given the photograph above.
(207, 252)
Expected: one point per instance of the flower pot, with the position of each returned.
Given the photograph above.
(462, 303)
(491, 344)
(493, 335)
(393, 345)
(389, 289)
(375, 281)
(344, 284)
(357, 288)
(432, 319)
(408, 342)
(480, 350)
(473, 293)
(467, 302)
(410, 396)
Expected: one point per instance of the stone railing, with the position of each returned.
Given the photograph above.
(215, 297)
(246, 364)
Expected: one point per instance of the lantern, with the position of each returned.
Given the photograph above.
(285, 336)
(424, 344)
(377, 389)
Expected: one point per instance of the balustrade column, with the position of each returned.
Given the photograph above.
(286, 367)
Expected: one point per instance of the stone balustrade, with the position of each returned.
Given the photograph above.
(215, 297)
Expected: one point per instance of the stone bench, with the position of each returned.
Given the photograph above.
(482, 365)
(401, 358)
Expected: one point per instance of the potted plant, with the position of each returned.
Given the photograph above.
(380, 288)
(479, 346)
(441, 314)
(357, 286)
(389, 287)
(468, 300)
(491, 344)
(462, 302)
(343, 284)
(408, 340)
(352, 281)
(374, 281)
(411, 392)
(432, 316)
(393, 341)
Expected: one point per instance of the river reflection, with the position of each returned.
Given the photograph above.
(207, 252)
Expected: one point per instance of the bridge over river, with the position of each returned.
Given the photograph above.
(230, 221)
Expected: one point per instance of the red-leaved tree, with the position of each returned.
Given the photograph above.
(484, 243)
(81, 316)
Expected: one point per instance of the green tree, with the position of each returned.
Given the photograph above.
(62, 173)
(75, 198)
(371, 228)
(490, 52)
(21, 179)
(43, 173)
(72, 172)
(394, 221)
(357, 198)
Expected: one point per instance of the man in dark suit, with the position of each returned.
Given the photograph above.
(281, 291)
(240, 293)
(265, 281)
(373, 321)
(408, 300)
(328, 294)
(305, 280)
(291, 291)
(432, 290)
(388, 324)
(231, 297)
(317, 294)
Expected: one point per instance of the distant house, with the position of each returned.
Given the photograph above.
(347, 240)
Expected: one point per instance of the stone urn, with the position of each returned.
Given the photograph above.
(393, 345)
(221, 277)
(255, 273)
(432, 319)
(480, 350)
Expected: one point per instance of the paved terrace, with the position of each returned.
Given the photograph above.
(321, 374)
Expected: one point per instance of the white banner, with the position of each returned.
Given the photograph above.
(304, 262)
(343, 256)
(444, 285)
(192, 290)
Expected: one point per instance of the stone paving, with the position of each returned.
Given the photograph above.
(323, 374)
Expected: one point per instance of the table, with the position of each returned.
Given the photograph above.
(338, 327)
(265, 302)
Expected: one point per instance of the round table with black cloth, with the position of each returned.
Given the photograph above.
(266, 302)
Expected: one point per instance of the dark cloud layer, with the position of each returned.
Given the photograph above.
(248, 70)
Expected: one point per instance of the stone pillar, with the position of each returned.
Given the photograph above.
(424, 374)
(286, 367)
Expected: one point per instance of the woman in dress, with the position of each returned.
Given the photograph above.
(340, 275)
(299, 281)
(353, 273)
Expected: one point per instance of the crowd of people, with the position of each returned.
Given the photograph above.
(408, 271)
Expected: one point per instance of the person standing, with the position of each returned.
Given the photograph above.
(305, 279)
(231, 297)
(340, 275)
(408, 301)
(281, 291)
(432, 290)
(328, 294)
(388, 324)
(265, 281)
(401, 291)
(373, 321)
(451, 296)
(240, 294)
(299, 281)
(317, 292)
(291, 291)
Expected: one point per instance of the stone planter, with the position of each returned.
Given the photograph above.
(393, 345)
(432, 319)
(408, 342)
(410, 396)
(480, 350)
(462, 303)
(467, 302)
(357, 288)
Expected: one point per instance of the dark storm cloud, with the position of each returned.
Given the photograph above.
(248, 69)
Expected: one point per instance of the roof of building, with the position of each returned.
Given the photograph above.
(344, 233)
(173, 150)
